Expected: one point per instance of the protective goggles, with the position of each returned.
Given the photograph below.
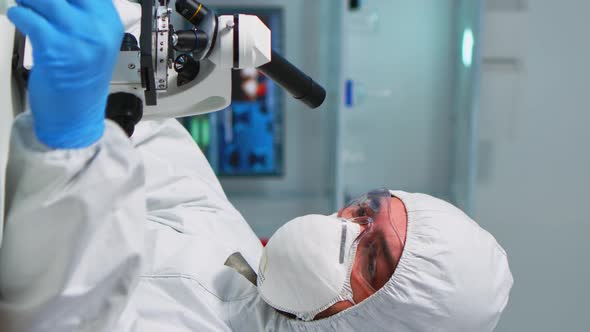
(379, 243)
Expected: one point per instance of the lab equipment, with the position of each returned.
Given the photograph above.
(177, 73)
(154, 81)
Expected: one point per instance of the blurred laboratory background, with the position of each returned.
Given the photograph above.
(485, 104)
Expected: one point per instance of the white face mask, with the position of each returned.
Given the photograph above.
(306, 266)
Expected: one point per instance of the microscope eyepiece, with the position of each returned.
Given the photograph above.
(187, 68)
(205, 22)
(293, 80)
(194, 11)
(190, 40)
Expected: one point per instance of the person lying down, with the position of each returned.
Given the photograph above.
(388, 260)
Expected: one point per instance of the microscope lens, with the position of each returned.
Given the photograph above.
(192, 10)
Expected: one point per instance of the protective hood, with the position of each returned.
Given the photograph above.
(452, 276)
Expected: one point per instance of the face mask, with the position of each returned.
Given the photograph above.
(306, 266)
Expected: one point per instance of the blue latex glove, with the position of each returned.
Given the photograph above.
(75, 48)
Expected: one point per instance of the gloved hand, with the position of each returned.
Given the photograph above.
(75, 48)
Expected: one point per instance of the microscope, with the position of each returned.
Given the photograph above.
(173, 72)
(162, 71)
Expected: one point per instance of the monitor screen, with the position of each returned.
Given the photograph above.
(246, 139)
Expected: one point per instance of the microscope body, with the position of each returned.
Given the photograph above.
(210, 88)
(161, 72)
(150, 67)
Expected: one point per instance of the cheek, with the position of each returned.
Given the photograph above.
(384, 273)
(360, 289)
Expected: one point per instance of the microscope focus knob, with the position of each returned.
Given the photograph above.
(129, 43)
(187, 68)
(190, 41)
(126, 110)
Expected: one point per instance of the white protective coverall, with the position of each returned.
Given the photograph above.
(77, 231)
(80, 223)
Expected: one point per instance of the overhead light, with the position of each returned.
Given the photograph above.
(468, 44)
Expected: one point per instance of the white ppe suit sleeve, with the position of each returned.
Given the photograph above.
(73, 238)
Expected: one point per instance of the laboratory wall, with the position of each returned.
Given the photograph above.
(534, 157)
(395, 129)
(465, 107)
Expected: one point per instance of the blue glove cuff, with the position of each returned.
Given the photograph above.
(75, 135)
